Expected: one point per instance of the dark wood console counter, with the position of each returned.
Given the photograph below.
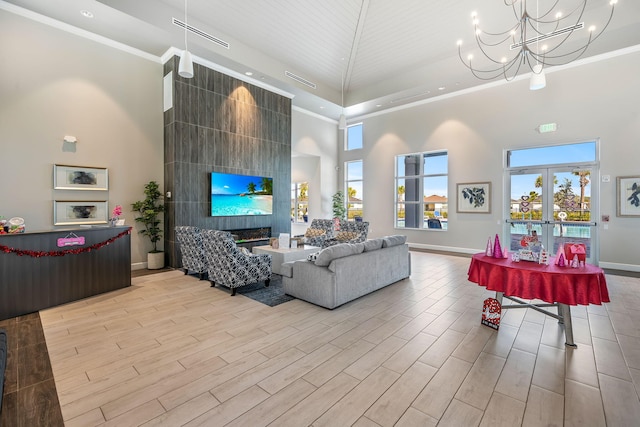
(35, 273)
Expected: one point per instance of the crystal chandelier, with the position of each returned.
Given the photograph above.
(539, 38)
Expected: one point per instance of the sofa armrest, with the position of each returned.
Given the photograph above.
(286, 269)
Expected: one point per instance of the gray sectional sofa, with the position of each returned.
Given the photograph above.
(347, 271)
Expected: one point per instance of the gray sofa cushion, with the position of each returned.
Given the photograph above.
(396, 240)
(338, 251)
(372, 245)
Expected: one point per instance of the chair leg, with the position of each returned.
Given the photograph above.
(213, 284)
(201, 276)
(233, 292)
(266, 283)
(186, 271)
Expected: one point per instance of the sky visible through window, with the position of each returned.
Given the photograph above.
(433, 164)
(522, 185)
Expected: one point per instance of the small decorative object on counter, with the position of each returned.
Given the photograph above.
(574, 262)
(560, 254)
(561, 261)
(497, 249)
(115, 215)
(543, 258)
(16, 225)
(489, 250)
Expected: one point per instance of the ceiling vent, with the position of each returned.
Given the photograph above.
(300, 79)
(201, 33)
(555, 33)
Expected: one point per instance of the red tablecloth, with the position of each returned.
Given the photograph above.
(550, 283)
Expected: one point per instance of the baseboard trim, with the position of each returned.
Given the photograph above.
(618, 266)
(447, 249)
(466, 251)
(138, 266)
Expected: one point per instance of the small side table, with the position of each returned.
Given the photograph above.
(282, 255)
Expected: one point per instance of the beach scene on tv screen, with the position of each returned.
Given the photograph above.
(241, 195)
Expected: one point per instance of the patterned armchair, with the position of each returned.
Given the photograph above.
(350, 232)
(230, 266)
(191, 249)
(318, 232)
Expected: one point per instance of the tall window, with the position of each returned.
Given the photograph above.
(354, 137)
(353, 184)
(421, 190)
(299, 201)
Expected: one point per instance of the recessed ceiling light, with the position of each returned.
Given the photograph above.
(321, 107)
(442, 88)
(378, 105)
(86, 14)
(249, 73)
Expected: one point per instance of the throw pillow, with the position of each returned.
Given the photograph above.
(372, 245)
(312, 257)
(345, 236)
(314, 232)
(340, 250)
(396, 240)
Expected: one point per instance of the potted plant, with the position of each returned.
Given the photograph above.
(339, 209)
(148, 211)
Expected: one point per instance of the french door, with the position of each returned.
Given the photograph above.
(557, 203)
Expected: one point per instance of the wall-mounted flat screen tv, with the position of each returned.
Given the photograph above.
(233, 195)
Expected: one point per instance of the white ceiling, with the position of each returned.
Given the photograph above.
(389, 52)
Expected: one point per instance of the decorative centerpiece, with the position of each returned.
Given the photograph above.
(531, 248)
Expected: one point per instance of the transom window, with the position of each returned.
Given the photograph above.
(353, 140)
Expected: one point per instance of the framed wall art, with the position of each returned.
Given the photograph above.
(473, 197)
(66, 177)
(628, 196)
(80, 212)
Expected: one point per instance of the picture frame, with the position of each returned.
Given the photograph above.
(80, 212)
(68, 177)
(473, 197)
(628, 190)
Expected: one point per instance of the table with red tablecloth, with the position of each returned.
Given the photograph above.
(558, 286)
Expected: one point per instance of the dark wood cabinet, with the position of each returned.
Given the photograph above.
(29, 283)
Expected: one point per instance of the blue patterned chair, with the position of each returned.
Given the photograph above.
(350, 232)
(191, 250)
(229, 265)
(318, 232)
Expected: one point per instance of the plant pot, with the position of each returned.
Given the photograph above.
(155, 260)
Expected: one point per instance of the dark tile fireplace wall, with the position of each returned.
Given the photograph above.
(222, 124)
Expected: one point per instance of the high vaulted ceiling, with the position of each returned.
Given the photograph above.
(388, 53)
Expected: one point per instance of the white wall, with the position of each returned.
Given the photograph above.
(314, 146)
(55, 84)
(597, 100)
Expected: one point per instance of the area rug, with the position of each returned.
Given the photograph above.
(271, 296)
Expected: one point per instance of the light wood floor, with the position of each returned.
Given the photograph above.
(172, 351)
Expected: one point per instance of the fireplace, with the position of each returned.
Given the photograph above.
(250, 237)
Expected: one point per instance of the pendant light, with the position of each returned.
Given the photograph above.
(538, 80)
(185, 67)
(342, 122)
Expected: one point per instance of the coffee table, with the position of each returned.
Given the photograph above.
(282, 255)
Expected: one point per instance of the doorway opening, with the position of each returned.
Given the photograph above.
(551, 197)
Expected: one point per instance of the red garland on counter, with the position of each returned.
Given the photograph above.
(38, 254)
